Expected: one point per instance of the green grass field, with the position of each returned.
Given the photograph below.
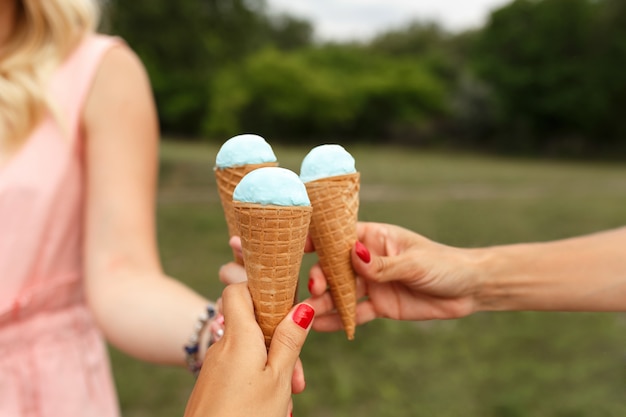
(486, 365)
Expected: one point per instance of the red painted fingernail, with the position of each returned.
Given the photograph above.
(303, 315)
(362, 252)
(311, 282)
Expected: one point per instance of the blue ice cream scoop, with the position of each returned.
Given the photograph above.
(326, 161)
(272, 185)
(243, 150)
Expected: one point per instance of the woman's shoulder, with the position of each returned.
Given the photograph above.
(121, 80)
(95, 48)
(96, 57)
(120, 66)
(117, 52)
(101, 60)
(81, 66)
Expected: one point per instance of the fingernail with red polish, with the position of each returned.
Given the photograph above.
(303, 315)
(311, 282)
(362, 252)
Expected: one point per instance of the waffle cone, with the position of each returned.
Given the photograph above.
(335, 202)
(227, 179)
(272, 239)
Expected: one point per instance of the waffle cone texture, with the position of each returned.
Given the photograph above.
(272, 240)
(335, 202)
(227, 179)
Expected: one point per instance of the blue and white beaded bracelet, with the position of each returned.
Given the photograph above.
(215, 322)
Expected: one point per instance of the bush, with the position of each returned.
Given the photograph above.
(324, 92)
(556, 68)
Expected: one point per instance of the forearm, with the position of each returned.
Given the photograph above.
(586, 273)
(147, 316)
(141, 311)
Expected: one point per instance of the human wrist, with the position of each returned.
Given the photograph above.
(491, 292)
(208, 329)
(507, 279)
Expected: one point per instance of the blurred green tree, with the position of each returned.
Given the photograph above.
(535, 55)
(426, 41)
(184, 44)
(542, 75)
(327, 91)
(289, 33)
(554, 66)
(609, 69)
(446, 54)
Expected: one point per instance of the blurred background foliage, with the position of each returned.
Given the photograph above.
(542, 76)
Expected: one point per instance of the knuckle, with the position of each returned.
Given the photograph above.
(228, 291)
(380, 266)
(288, 340)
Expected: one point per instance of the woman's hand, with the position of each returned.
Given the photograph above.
(239, 376)
(400, 275)
(233, 273)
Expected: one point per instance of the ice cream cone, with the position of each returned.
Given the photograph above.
(335, 202)
(272, 239)
(227, 179)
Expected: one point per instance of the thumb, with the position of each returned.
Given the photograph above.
(289, 337)
(377, 268)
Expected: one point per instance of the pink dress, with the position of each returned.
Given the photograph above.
(53, 361)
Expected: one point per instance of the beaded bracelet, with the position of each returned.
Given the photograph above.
(215, 322)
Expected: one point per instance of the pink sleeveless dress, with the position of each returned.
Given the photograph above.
(53, 361)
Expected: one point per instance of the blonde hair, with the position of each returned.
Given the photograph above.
(46, 31)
